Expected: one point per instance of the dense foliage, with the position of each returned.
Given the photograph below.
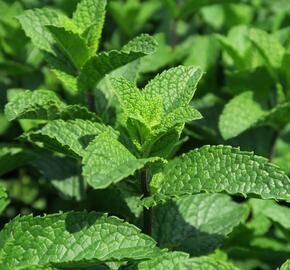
(144, 134)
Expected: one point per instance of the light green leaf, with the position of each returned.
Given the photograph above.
(71, 239)
(285, 266)
(135, 105)
(90, 17)
(70, 137)
(161, 106)
(222, 169)
(196, 224)
(272, 210)
(31, 104)
(33, 22)
(43, 104)
(268, 46)
(107, 161)
(239, 114)
(180, 115)
(167, 261)
(244, 112)
(72, 45)
(206, 263)
(231, 50)
(176, 86)
(101, 64)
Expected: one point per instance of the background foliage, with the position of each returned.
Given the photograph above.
(243, 48)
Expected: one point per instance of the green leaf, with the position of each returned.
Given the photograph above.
(160, 107)
(89, 18)
(32, 104)
(72, 44)
(35, 267)
(12, 157)
(103, 63)
(194, 5)
(70, 137)
(239, 114)
(232, 51)
(176, 86)
(62, 172)
(273, 211)
(107, 161)
(180, 115)
(206, 263)
(196, 224)
(244, 112)
(268, 46)
(285, 266)
(71, 239)
(33, 22)
(135, 105)
(167, 261)
(132, 15)
(43, 104)
(221, 169)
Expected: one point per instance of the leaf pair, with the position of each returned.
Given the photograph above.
(70, 45)
(161, 106)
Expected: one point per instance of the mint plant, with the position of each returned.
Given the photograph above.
(112, 158)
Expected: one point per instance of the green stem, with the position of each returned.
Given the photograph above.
(174, 33)
(147, 213)
(91, 101)
(273, 143)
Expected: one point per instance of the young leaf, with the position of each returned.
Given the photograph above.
(43, 104)
(196, 224)
(70, 137)
(72, 44)
(107, 161)
(89, 18)
(180, 115)
(103, 63)
(239, 114)
(71, 239)
(222, 169)
(175, 86)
